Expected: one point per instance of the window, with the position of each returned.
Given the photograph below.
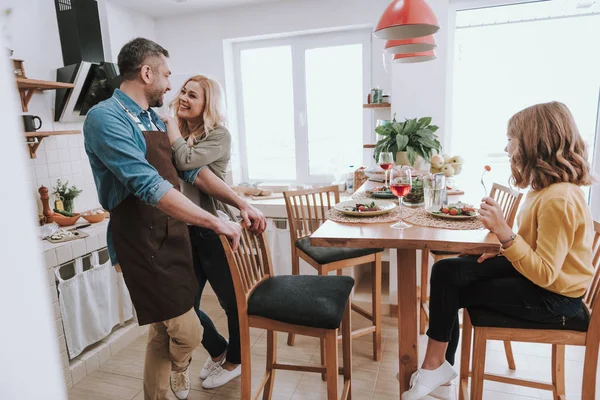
(300, 105)
(510, 57)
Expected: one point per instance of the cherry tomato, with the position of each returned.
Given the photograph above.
(361, 208)
(454, 211)
(445, 210)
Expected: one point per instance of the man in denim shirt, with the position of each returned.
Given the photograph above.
(117, 133)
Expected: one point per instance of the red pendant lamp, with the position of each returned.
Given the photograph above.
(407, 19)
(407, 46)
(415, 57)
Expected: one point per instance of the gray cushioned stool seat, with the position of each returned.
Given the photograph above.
(307, 300)
(326, 255)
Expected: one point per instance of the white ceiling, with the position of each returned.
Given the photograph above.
(161, 8)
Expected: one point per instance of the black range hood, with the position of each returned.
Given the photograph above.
(83, 57)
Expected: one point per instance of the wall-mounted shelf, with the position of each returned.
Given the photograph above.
(34, 139)
(380, 105)
(27, 87)
(368, 146)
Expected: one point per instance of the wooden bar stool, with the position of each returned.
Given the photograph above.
(581, 330)
(509, 200)
(304, 305)
(306, 212)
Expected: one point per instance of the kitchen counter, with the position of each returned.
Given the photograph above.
(97, 229)
(275, 207)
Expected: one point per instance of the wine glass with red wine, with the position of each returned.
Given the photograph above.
(386, 162)
(401, 185)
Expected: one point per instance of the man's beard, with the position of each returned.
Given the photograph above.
(155, 98)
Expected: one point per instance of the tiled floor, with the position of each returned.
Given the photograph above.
(121, 377)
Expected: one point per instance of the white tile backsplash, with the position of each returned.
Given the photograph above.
(102, 240)
(51, 156)
(74, 154)
(62, 142)
(41, 157)
(78, 248)
(76, 168)
(63, 155)
(50, 257)
(50, 143)
(65, 166)
(41, 171)
(92, 243)
(64, 253)
(54, 171)
(74, 142)
(77, 179)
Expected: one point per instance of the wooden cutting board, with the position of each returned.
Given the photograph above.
(78, 235)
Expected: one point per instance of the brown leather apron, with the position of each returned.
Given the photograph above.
(153, 249)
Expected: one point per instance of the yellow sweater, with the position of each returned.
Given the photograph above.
(553, 248)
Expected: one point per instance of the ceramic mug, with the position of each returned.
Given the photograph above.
(29, 123)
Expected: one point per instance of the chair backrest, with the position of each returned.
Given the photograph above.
(592, 295)
(509, 201)
(250, 265)
(306, 209)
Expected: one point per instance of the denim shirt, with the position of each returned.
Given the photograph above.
(116, 149)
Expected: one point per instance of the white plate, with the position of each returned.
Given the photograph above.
(435, 212)
(346, 207)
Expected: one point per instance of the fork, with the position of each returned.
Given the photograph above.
(485, 169)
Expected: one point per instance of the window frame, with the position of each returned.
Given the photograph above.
(462, 5)
(299, 44)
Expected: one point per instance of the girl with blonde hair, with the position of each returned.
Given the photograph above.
(199, 138)
(542, 271)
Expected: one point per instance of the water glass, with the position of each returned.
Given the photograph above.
(434, 198)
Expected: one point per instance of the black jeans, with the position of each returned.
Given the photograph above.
(210, 264)
(494, 284)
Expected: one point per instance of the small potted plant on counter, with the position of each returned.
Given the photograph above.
(66, 194)
(413, 142)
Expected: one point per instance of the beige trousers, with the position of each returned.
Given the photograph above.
(170, 346)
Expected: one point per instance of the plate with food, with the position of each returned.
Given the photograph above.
(365, 209)
(454, 211)
(381, 192)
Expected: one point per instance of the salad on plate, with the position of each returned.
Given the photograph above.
(456, 210)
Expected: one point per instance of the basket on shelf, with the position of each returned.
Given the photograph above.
(360, 177)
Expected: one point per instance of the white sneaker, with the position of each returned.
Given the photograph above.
(180, 384)
(424, 382)
(221, 376)
(210, 366)
(444, 393)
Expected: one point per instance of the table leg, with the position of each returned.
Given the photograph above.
(408, 353)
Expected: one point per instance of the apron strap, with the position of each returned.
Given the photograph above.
(136, 120)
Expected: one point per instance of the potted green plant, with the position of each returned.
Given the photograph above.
(408, 140)
(66, 194)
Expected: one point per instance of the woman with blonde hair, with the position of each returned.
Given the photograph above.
(199, 138)
(542, 271)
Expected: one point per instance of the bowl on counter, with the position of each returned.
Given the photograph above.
(65, 221)
(94, 216)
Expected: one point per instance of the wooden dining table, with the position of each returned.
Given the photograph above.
(406, 242)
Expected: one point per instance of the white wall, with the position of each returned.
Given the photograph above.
(32, 30)
(419, 90)
(120, 25)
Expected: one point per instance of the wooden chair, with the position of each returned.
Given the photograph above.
(304, 305)
(306, 212)
(582, 330)
(509, 200)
